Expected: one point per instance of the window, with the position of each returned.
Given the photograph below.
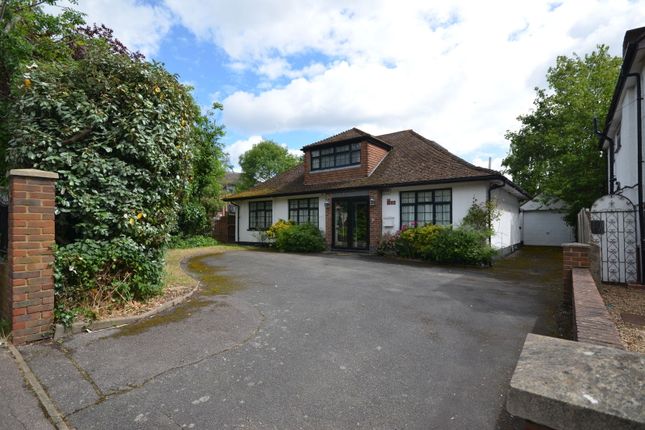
(336, 156)
(426, 207)
(260, 215)
(304, 211)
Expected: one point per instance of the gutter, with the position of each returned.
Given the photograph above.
(498, 177)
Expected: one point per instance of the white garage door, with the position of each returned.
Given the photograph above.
(546, 228)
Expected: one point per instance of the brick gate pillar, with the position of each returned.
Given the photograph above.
(376, 218)
(574, 255)
(30, 286)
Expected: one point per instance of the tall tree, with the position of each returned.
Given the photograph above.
(209, 161)
(555, 151)
(265, 160)
(27, 34)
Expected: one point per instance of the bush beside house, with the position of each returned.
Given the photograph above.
(467, 244)
(290, 237)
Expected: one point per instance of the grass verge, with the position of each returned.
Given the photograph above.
(174, 276)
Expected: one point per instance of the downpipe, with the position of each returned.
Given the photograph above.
(639, 147)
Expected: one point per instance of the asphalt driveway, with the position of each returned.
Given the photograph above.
(315, 342)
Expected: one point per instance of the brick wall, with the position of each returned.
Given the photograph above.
(371, 156)
(375, 154)
(29, 291)
(329, 219)
(591, 320)
(592, 323)
(376, 218)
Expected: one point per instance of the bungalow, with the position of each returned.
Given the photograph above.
(357, 187)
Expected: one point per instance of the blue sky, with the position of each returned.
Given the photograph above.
(296, 71)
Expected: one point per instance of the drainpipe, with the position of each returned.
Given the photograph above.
(237, 221)
(639, 146)
(610, 151)
(491, 187)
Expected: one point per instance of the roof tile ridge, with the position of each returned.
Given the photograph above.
(456, 157)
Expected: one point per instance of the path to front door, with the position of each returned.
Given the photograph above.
(351, 223)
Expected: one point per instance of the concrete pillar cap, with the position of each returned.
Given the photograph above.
(33, 173)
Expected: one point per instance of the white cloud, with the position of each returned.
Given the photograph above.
(458, 72)
(239, 147)
(140, 26)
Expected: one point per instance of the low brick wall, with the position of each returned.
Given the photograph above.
(592, 323)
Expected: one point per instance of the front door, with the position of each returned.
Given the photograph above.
(351, 223)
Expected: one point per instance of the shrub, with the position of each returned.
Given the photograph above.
(463, 246)
(180, 242)
(193, 220)
(387, 245)
(413, 242)
(300, 238)
(277, 227)
(93, 274)
(480, 217)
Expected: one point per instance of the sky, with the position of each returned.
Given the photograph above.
(296, 71)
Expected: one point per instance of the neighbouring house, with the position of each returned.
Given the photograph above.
(229, 182)
(224, 221)
(622, 144)
(543, 222)
(357, 187)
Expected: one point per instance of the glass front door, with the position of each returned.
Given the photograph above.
(351, 223)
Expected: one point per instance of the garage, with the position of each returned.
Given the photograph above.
(543, 223)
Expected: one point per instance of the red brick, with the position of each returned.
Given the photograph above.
(41, 294)
(19, 311)
(39, 308)
(26, 275)
(39, 210)
(18, 325)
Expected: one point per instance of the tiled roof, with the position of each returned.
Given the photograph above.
(413, 159)
(352, 133)
(231, 178)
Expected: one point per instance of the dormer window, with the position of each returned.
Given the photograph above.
(336, 156)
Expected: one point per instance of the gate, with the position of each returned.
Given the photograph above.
(614, 229)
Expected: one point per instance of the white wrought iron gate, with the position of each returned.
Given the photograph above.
(614, 229)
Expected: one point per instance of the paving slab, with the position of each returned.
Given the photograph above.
(66, 385)
(19, 407)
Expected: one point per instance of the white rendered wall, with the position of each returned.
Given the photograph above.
(280, 206)
(462, 198)
(506, 228)
(625, 160)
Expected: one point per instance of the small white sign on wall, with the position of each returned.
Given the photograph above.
(388, 222)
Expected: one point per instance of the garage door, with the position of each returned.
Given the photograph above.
(545, 228)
